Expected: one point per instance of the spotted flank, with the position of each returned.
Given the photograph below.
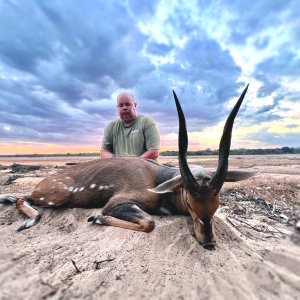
(92, 185)
(71, 188)
(81, 189)
(75, 190)
(50, 203)
(42, 198)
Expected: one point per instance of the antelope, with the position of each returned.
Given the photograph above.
(131, 188)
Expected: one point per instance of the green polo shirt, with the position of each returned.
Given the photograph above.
(140, 137)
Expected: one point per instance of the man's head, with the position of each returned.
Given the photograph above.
(126, 108)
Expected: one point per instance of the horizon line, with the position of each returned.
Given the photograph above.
(161, 152)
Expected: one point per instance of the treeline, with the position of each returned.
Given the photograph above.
(242, 151)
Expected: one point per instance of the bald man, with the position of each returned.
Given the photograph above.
(132, 134)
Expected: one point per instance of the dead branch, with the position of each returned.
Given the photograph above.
(74, 264)
(98, 263)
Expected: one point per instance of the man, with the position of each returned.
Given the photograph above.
(132, 134)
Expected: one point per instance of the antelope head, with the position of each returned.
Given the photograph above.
(200, 188)
(202, 198)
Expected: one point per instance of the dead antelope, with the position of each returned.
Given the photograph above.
(131, 188)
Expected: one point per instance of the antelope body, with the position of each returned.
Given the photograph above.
(131, 188)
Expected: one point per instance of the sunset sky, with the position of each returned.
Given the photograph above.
(62, 64)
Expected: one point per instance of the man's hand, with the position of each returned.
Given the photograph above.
(106, 154)
(151, 154)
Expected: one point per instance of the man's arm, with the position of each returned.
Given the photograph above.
(152, 139)
(106, 148)
(151, 154)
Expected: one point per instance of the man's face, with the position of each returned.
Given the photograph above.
(126, 108)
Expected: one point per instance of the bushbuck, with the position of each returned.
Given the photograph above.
(131, 188)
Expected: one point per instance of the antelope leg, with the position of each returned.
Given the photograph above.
(128, 216)
(24, 207)
(7, 200)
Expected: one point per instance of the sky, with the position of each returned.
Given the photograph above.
(63, 63)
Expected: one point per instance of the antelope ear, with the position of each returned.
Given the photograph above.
(168, 186)
(236, 175)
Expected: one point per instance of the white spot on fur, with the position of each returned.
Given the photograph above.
(29, 223)
(68, 177)
(92, 185)
(30, 207)
(71, 188)
(98, 221)
(75, 190)
(27, 205)
(50, 203)
(42, 198)
(54, 180)
(103, 187)
(66, 188)
(81, 189)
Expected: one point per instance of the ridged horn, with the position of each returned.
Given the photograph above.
(189, 180)
(218, 179)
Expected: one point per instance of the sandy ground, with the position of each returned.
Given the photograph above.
(64, 257)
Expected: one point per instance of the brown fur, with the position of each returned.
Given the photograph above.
(128, 189)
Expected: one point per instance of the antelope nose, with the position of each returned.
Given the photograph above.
(209, 246)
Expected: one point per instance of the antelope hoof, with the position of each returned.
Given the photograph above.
(7, 200)
(97, 219)
(29, 224)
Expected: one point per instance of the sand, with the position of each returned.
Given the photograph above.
(65, 257)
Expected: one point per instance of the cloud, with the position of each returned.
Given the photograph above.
(65, 55)
(250, 18)
(62, 65)
(275, 140)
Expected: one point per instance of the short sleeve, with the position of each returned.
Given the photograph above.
(151, 134)
(107, 141)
